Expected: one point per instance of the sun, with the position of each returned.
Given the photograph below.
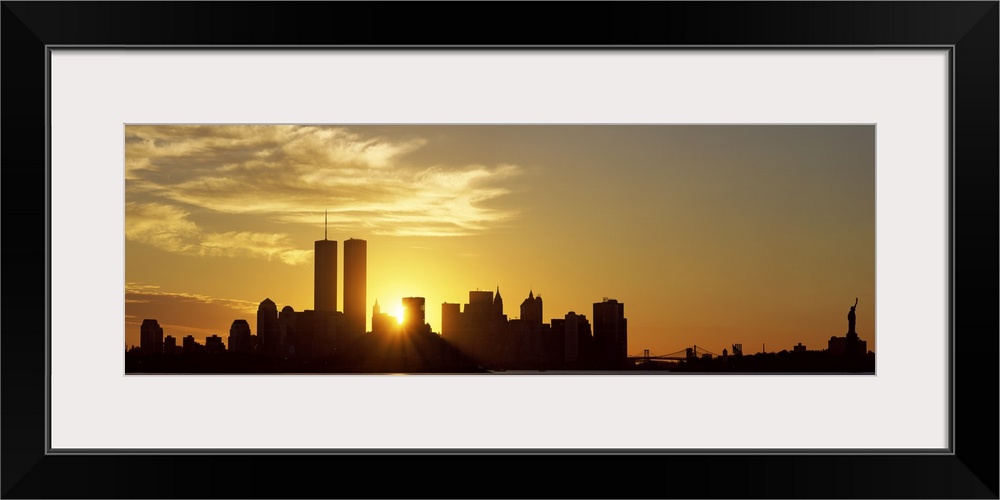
(399, 314)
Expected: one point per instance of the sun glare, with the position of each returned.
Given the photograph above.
(399, 314)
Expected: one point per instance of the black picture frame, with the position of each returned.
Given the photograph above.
(970, 29)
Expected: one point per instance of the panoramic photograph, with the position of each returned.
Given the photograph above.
(500, 249)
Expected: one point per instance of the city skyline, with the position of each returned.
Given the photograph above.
(712, 235)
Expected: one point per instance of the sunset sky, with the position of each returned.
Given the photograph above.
(709, 235)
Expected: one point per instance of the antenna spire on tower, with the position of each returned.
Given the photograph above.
(325, 223)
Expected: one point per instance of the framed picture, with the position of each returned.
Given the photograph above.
(909, 87)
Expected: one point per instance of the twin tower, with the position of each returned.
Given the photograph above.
(355, 276)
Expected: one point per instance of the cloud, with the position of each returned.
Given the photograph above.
(139, 293)
(168, 228)
(289, 174)
(162, 226)
(258, 245)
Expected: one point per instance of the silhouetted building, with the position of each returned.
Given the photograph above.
(318, 333)
(479, 307)
(287, 337)
(190, 346)
(610, 334)
(451, 320)
(150, 337)
(530, 344)
(239, 337)
(577, 346)
(531, 310)
(841, 345)
(169, 345)
(268, 332)
(481, 330)
(325, 274)
(383, 323)
(214, 344)
(355, 285)
(799, 348)
(414, 317)
(497, 304)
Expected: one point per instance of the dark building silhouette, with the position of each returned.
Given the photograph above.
(169, 345)
(842, 345)
(318, 333)
(190, 346)
(414, 317)
(480, 306)
(531, 310)
(268, 332)
(577, 344)
(150, 337)
(480, 331)
(291, 334)
(240, 338)
(528, 332)
(355, 285)
(286, 331)
(497, 305)
(325, 274)
(610, 334)
(383, 323)
(214, 344)
(451, 318)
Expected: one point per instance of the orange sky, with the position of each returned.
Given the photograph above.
(709, 235)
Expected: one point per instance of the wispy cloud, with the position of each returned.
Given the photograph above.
(289, 173)
(168, 228)
(260, 245)
(163, 226)
(139, 293)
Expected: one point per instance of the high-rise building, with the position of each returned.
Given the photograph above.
(610, 333)
(355, 286)
(382, 323)
(190, 346)
(451, 321)
(169, 345)
(240, 338)
(150, 337)
(214, 344)
(531, 310)
(287, 335)
(414, 317)
(577, 339)
(480, 308)
(325, 278)
(497, 304)
(267, 327)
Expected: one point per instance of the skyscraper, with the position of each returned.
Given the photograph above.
(414, 315)
(531, 311)
(150, 337)
(325, 277)
(240, 338)
(610, 333)
(267, 327)
(355, 285)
